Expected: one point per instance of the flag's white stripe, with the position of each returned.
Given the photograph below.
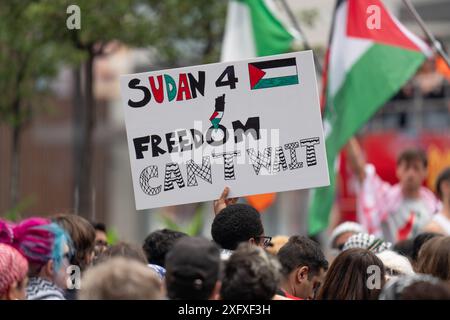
(279, 72)
(344, 51)
(282, 16)
(238, 42)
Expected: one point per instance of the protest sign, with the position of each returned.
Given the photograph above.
(251, 125)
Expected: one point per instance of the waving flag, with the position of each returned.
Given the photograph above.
(256, 28)
(366, 64)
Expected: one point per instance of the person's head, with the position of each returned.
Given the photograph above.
(120, 279)
(44, 244)
(411, 169)
(415, 287)
(192, 270)
(276, 244)
(82, 235)
(355, 274)
(342, 232)
(124, 250)
(250, 274)
(238, 223)
(303, 266)
(13, 274)
(366, 241)
(159, 243)
(395, 264)
(434, 258)
(101, 237)
(405, 248)
(443, 186)
(418, 241)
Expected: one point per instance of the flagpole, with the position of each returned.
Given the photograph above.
(435, 43)
(300, 31)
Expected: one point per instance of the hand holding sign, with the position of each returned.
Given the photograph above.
(224, 201)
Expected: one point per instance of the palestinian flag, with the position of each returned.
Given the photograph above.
(256, 28)
(273, 73)
(371, 55)
(219, 109)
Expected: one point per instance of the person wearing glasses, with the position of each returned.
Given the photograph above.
(46, 246)
(304, 268)
(341, 234)
(82, 235)
(101, 238)
(235, 223)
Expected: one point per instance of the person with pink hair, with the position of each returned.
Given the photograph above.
(46, 247)
(13, 274)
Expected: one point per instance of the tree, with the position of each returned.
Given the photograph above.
(104, 25)
(28, 59)
(188, 32)
(182, 32)
(170, 26)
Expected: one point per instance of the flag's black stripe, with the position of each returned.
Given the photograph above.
(275, 63)
(220, 103)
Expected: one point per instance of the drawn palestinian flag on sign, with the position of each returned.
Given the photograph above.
(219, 109)
(273, 73)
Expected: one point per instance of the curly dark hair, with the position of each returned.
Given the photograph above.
(158, 243)
(250, 274)
(302, 251)
(235, 224)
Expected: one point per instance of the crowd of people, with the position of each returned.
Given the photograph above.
(399, 250)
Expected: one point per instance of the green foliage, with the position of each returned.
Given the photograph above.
(188, 32)
(308, 17)
(102, 21)
(28, 59)
(192, 228)
(34, 39)
(112, 237)
(14, 214)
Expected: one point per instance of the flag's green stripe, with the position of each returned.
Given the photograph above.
(276, 82)
(370, 83)
(270, 35)
(215, 122)
(374, 79)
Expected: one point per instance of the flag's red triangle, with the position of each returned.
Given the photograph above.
(255, 74)
(214, 115)
(359, 24)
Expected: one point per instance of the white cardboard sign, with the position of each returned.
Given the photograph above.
(251, 125)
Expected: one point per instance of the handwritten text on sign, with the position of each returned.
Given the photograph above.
(251, 125)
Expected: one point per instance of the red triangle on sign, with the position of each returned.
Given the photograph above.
(360, 24)
(255, 74)
(214, 115)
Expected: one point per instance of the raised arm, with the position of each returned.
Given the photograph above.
(356, 159)
(223, 201)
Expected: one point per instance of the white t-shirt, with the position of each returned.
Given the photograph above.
(443, 222)
(384, 211)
